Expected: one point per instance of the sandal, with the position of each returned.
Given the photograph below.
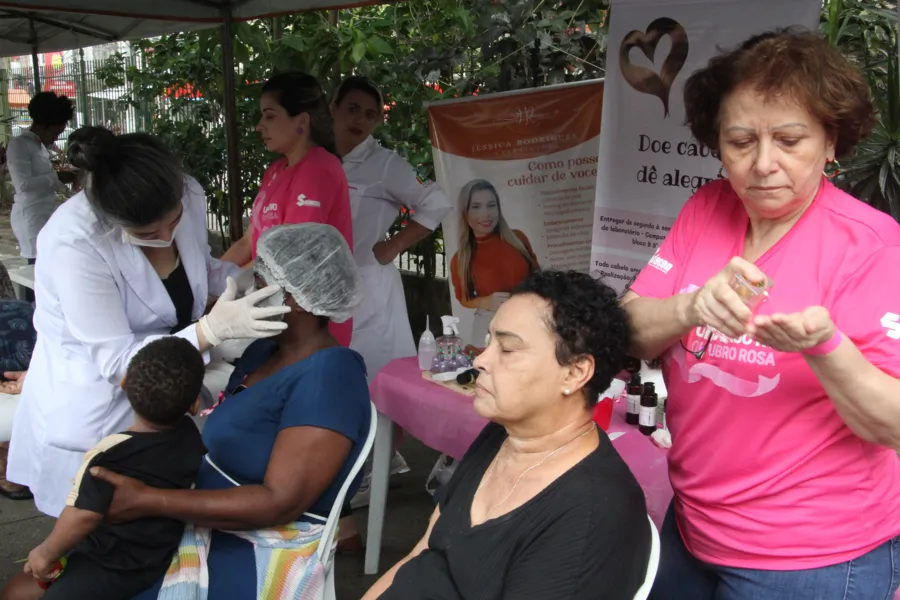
(23, 493)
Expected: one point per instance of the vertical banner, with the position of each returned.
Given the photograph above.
(649, 164)
(522, 170)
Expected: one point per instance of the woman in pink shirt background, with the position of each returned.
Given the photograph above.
(784, 421)
(306, 185)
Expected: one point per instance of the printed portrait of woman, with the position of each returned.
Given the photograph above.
(492, 258)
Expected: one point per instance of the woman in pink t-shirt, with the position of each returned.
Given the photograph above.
(308, 184)
(785, 419)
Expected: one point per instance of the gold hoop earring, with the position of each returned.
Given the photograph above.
(721, 174)
(832, 168)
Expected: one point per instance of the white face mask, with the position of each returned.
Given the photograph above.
(130, 239)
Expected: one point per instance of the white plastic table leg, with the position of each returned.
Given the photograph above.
(381, 466)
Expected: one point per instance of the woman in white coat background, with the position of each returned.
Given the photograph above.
(381, 182)
(33, 177)
(122, 263)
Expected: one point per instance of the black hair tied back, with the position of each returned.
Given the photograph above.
(92, 149)
(135, 180)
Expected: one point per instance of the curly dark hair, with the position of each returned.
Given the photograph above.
(46, 108)
(587, 320)
(164, 380)
(785, 62)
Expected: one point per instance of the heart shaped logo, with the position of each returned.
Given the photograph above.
(645, 80)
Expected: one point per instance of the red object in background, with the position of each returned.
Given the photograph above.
(603, 413)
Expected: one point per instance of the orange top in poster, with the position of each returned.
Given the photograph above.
(517, 126)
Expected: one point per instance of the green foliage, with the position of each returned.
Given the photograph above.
(426, 50)
(866, 32)
(418, 51)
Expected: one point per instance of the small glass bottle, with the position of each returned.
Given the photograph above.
(647, 417)
(633, 408)
(439, 364)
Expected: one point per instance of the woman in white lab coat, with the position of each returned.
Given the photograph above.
(381, 182)
(35, 181)
(122, 263)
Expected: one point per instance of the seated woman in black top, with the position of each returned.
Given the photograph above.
(542, 506)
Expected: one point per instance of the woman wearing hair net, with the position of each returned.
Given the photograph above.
(285, 434)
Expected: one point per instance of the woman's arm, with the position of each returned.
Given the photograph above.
(290, 488)
(240, 252)
(427, 202)
(386, 580)
(860, 373)
(387, 250)
(866, 398)
(657, 323)
(19, 157)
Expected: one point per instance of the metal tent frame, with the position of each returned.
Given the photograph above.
(30, 26)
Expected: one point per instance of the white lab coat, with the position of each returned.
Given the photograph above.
(36, 185)
(98, 302)
(380, 183)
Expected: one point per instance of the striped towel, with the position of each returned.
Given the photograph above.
(287, 567)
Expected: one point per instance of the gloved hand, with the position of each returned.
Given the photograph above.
(232, 319)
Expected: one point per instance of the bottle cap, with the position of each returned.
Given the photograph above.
(635, 379)
(649, 387)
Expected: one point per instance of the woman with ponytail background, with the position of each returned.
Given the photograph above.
(306, 185)
(492, 258)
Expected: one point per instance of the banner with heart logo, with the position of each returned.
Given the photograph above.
(648, 164)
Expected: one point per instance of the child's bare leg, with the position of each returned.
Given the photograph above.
(22, 587)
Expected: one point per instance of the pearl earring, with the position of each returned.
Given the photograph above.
(566, 392)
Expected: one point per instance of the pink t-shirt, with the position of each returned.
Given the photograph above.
(312, 191)
(766, 474)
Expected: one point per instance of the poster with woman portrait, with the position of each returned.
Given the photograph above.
(521, 167)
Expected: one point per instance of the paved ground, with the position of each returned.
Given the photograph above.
(409, 506)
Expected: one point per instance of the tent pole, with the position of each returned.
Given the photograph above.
(35, 64)
(235, 201)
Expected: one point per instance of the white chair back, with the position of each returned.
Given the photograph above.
(652, 564)
(327, 543)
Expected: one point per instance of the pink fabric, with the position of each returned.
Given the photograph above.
(447, 422)
(312, 191)
(765, 472)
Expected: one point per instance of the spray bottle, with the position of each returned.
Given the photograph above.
(449, 344)
(427, 346)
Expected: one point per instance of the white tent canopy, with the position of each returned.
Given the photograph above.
(52, 25)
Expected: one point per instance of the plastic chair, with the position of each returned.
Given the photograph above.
(652, 565)
(328, 544)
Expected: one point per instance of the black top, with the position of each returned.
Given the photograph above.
(179, 288)
(164, 459)
(585, 536)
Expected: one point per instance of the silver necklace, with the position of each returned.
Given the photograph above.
(525, 472)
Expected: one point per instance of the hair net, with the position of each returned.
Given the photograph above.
(313, 263)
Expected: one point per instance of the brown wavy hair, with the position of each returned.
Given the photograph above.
(785, 62)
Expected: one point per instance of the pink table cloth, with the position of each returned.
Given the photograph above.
(447, 422)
